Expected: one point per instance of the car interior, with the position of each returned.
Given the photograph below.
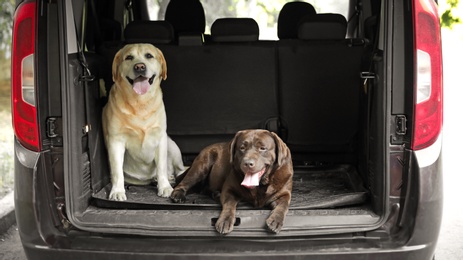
(307, 87)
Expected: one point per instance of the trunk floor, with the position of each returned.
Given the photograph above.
(312, 189)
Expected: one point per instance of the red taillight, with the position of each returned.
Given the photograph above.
(22, 77)
(428, 74)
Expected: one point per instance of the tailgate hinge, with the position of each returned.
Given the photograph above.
(66, 224)
(399, 133)
(54, 131)
(401, 125)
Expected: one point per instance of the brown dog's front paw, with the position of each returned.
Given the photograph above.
(225, 225)
(275, 223)
(178, 196)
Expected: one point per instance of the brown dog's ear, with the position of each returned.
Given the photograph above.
(163, 62)
(116, 62)
(232, 145)
(283, 152)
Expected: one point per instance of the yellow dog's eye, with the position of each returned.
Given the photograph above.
(129, 57)
(149, 56)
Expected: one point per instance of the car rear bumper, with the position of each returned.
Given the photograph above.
(43, 238)
(138, 248)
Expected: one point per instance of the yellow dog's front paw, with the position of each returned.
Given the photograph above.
(117, 195)
(165, 191)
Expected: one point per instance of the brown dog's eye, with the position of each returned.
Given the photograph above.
(262, 149)
(242, 148)
(149, 56)
(129, 57)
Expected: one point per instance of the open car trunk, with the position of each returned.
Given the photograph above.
(307, 91)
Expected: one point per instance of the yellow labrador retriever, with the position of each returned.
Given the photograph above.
(134, 123)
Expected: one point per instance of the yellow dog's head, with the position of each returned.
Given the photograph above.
(139, 66)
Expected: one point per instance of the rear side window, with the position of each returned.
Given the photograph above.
(263, 11)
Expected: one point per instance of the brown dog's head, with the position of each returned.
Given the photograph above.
(256, 153)
(139, 66)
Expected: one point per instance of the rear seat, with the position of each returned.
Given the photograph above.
(319, 88)
(206, 93)
(306, 89)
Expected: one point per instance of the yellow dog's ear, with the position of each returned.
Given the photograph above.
(163, 62)
(284, 154)
(116, 62)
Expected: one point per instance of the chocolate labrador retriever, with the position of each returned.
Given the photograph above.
(254, 167)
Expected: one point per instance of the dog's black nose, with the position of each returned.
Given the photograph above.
(139, 67)
(249, 163)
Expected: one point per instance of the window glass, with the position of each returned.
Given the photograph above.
(265, 12)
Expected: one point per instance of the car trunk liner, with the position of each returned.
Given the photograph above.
(313, 188)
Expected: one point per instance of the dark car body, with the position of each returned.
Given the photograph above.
(362, 116)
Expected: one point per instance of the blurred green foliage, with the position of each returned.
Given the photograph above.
(448, 18)
(6, 24)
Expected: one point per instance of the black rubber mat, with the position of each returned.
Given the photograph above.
(312, 189)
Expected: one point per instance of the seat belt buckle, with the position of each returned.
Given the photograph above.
(366, 75)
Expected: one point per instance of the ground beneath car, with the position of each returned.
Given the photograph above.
(312, 188)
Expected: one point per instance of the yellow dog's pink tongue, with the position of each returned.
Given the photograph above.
(141, 85)
(252, 179)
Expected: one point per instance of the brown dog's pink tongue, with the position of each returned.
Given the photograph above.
(252, 179)
(141, 85)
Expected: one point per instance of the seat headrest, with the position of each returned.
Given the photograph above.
(323, 27)
(234, 30)
(186, 16)
(289, 17)
(155, 32)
